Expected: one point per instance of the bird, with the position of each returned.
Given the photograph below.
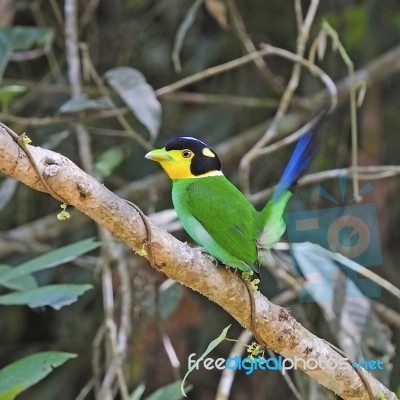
(215, 213)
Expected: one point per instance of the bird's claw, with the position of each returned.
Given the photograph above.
(206, 254)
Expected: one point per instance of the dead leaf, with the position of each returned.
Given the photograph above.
(217, 9)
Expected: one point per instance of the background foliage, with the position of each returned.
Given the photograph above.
(105, 118)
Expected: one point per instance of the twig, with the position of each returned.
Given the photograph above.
(228, 375)
(276, 82)
(166, 341)
(58, 14)
(332, 97)
(116, 337)
(83, 393)
(365, 272)
(387, 314)
(365, 173)
(235, 101)
(71, 45)
(288, 380)
(353, 108)
(181, 33)
(298, 11)
(304, 29)
(96, 357)
(108, 132)
(41, 121)
(84, 148)
(75, 80)
(55, 69)
(125, 325)
(290, 138)
(207, 73)
(302, 38)
(89, 12)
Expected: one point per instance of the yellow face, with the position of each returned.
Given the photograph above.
(176, 163)
(196, 160)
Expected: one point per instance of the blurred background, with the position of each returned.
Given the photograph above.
(61, 83)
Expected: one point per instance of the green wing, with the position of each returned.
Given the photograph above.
(223, 211)
(273, 222)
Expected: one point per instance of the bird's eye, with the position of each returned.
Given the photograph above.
(186, 153)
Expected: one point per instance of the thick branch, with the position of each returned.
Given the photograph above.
(274, 325)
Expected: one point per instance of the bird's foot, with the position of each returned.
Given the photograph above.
(247, 276)
(206, 254)
(252, 278)
(229, 268)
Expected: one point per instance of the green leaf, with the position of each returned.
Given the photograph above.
(55, 139)
(55, 296)
(5, 52)
(139, 96)
(357, 20)
(110, 159)
(20, 375)
(7, 190)
(7, 93)
(51, 259)
(169, 300)
(83, 103)
(171, 391)
(26, 38)
(209, 349)
(137, 393)
(25, 282)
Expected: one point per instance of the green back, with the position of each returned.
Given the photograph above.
(225, 214)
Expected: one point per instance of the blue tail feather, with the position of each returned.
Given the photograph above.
(305, 149)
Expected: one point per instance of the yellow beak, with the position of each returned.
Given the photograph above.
(159, 155)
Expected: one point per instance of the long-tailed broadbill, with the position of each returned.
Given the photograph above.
(215, 213)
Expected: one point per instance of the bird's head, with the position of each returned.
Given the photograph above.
(186, 157)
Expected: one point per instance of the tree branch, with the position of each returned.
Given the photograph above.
(274, 325)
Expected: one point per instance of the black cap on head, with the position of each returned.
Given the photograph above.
(204, 160)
